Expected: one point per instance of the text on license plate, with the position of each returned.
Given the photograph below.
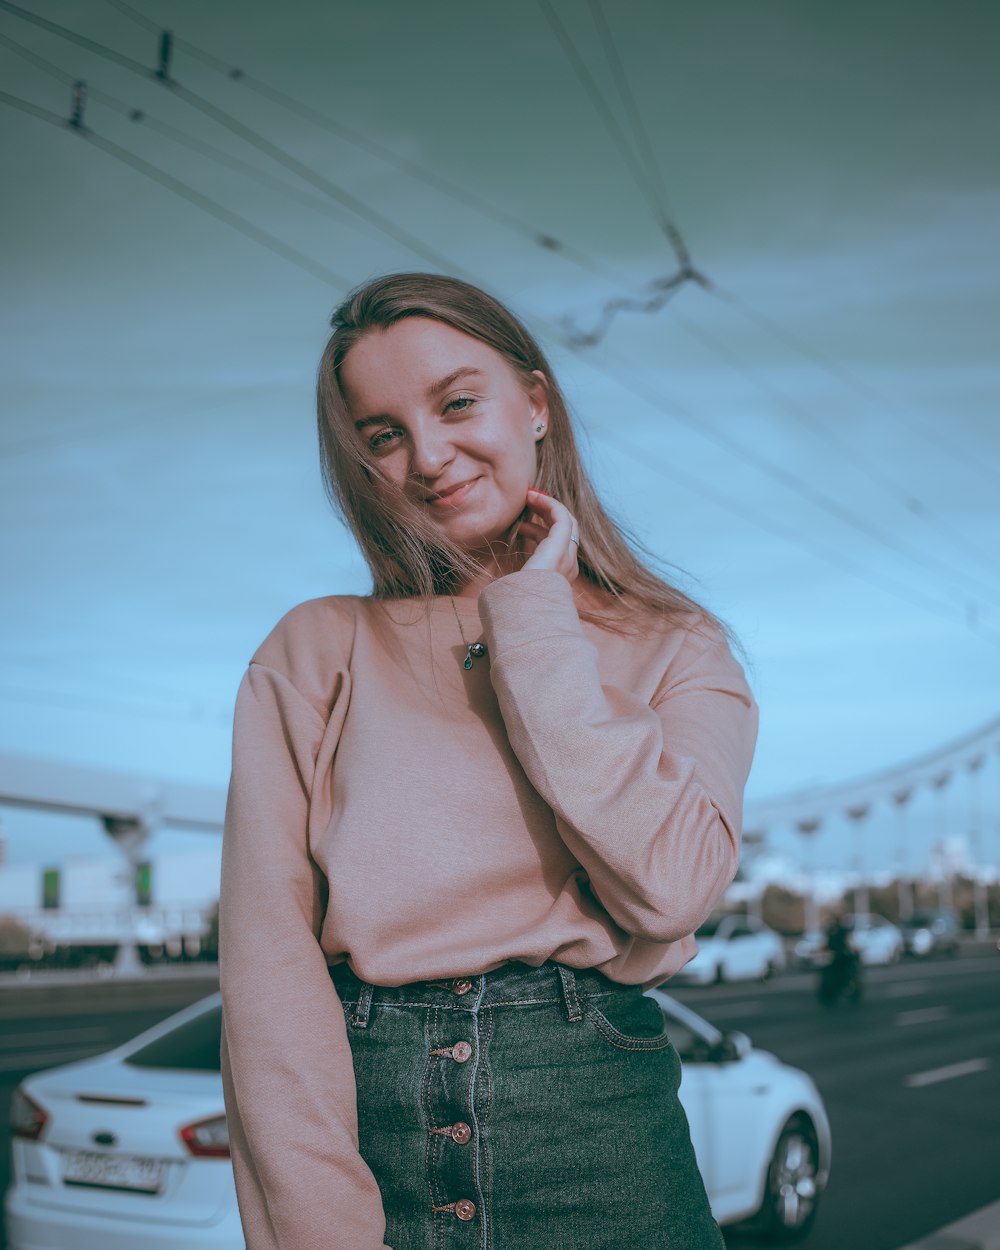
(113, 1171)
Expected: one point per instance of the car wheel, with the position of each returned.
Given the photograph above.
(769, 970)
(791, 1195)
(720, 974)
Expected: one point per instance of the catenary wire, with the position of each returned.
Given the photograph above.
(650, 304)
(143, 117)
(800, 415)
(786, 479)
(456, 191)
(616, 375)
(249, 135)
(234, 220)
(641, 177)
(639, 134)
(664, 288)
(794, 341)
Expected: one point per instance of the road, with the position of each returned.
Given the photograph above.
(911, 1082)
(911, 1078)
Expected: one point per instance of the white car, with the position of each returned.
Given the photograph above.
(876, 940)
(130, 1148)
(733, 948)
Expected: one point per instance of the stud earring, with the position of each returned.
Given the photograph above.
(539, 428)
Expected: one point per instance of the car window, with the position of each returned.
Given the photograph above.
(194, 1045)
(709, 928)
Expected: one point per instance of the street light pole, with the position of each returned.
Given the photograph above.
(904, 886)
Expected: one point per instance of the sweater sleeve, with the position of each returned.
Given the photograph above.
(647, 795)
(287, 1070)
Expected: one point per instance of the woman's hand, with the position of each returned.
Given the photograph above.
(551, 536)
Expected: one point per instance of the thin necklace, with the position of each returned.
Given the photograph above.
(475, 650)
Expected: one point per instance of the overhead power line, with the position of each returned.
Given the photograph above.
(661, 289)
(231, 219)
(248, 134)
(786, 478)
(644, 179)
(640, 135)
(461, 194)
(142, 117)
(801, 416)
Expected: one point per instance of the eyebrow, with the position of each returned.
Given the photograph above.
(434, 389)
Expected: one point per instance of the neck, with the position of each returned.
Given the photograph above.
(495, 560)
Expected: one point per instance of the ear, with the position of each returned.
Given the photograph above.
(539, 405)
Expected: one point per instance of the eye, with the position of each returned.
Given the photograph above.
(465, 400)
(383, 439)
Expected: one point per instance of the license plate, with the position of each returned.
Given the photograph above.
(113, 1171)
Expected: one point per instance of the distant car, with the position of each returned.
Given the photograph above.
(876, 940)
(932, 932)
(130, 1148)
(733, 948)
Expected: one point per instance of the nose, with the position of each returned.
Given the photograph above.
(431, 451)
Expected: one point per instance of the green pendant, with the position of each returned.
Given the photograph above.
(467, 662)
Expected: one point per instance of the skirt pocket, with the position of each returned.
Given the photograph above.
(628, 1019)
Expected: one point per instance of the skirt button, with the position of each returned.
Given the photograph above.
(461, 985)
(461, 1051)
(461, 1132)
(465, 1209)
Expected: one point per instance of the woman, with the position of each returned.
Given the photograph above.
(472, 816)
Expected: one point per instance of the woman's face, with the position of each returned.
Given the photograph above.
(448, 420)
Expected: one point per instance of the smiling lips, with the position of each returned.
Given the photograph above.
(451, 496)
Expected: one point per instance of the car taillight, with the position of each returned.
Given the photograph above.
(27, 1118)
(208, 1139)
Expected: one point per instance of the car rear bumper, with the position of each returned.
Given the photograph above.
(31, 1225)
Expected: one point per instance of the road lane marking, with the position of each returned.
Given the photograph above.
(978, 1231)
(948, 1073)
(903, 989)
(924, 1015)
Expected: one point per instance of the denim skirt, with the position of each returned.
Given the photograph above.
(526, 1108)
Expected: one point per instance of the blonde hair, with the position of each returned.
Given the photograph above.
(407, 554)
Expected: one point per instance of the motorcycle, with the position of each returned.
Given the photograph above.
(839, 977)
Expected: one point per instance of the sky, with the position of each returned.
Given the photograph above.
(811, 444)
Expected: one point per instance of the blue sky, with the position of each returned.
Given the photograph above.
(818, 454)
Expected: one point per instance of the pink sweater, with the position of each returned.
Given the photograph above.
(576, 795)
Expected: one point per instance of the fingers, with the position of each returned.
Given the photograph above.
(550, 527)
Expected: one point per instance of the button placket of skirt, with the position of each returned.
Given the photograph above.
(460, 1132)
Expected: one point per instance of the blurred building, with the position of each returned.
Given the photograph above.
(97, 904)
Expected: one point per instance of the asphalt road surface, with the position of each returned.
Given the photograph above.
(910, 1076)
(911, 1082)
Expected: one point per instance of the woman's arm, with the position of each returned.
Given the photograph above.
(647, 795)
(287, 1071)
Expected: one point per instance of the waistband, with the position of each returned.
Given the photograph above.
(512, 984)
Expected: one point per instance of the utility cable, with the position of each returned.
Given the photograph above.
(626, 383)
(646, 185)
(141, 116)
(639, 134)
(460, 194)
(249, 135)
(247, 228)
(663, 288)
(830, 366)
(802, 416)
(785, 478)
